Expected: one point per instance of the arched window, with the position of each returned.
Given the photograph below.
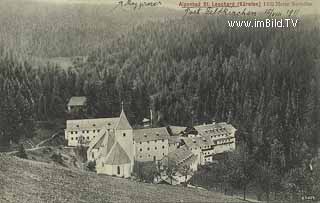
(118, 170)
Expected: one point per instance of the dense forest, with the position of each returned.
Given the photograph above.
(188, 71)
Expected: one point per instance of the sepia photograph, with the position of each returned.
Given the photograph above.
(159, 101)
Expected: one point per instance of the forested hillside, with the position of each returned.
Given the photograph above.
(191, 70)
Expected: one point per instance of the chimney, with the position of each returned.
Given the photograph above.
(151, 118)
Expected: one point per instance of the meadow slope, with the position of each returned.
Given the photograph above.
(30, 181)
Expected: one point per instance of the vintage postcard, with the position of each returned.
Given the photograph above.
(159, 101)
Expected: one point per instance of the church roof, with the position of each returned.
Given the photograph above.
(77, 101)
(117, 156)
(95, 142)
(123, 123)
(107, 145)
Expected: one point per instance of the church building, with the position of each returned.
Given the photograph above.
(110, 142)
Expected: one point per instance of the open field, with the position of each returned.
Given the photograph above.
(30, 181)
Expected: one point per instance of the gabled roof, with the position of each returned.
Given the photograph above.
(150, 134)
(180, 154)
(214, 128)
(179, 158)
(97, 140)
(197, 141)
(87, 124)
(107, 145)
(77, 101)
(123, 123)
(117, 156)
(176, 130)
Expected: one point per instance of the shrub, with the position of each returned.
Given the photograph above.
(22, 152)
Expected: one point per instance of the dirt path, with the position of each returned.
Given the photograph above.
(37, 146)
(48, 139)
(32, 149)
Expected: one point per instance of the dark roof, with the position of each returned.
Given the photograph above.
(77, 101)
(123, 123)
(192, 142)
(117, 156)
(87, 124)
(150, 134)
(179, 158)
(180, 154)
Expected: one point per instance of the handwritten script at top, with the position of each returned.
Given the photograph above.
(138, 5)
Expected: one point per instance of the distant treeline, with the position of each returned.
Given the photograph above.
(50, 29)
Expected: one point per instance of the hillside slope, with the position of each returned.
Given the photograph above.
(29, 181)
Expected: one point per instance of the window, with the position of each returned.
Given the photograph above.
(118, 170)
(71, 138)
(162, 140)
(94, 136)
(148, 148)
(76, 138)
(154, 158)
(87, 131)
(78, 126)
(155, 141)
(162, 147)
(83, 131)
(155, 148)
(163, 154)
(71, 132)
(88, 138)
(98, 130)
(124, 134)
(94, 131)
(93, 155)
(140, 157)
(76, 132)
(140, 142)
(141, 150)
(94, 125)
(148, 142)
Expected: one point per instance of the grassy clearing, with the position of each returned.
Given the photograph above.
(30, 181)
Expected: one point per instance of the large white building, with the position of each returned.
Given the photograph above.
(110, 142)
(151, 144)
(211, 139)
(114, 145)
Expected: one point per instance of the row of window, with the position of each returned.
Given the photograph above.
(88, 138)
(220, 135)
(154, 157)
(215, 130)
(149, 148)
(84, 131)
(155, 141)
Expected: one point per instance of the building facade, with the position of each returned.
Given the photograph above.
(211, 139)
(115, 146)
(151, 144)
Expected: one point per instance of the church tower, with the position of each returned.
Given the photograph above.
(124, 136)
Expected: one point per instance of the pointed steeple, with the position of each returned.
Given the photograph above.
(123, 123)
